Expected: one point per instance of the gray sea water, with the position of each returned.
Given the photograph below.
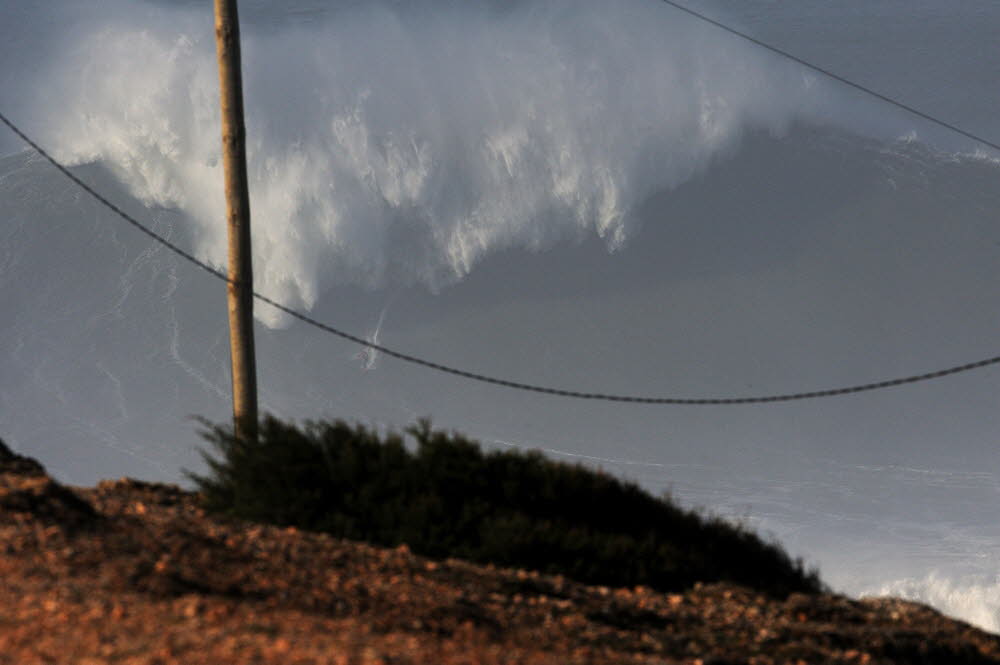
(598, 196)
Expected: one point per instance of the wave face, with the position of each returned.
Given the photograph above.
(392, 143)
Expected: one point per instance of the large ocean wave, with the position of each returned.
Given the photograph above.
(405, 144)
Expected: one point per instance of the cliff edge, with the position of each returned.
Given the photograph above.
(138, 573)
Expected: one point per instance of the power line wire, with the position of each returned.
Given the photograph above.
(835, 77)
(634, 399)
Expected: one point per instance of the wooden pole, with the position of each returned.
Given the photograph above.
(241, 344)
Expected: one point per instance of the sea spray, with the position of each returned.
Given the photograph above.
(975, 599)
(403, 144)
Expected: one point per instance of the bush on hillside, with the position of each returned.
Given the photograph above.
(450, 499)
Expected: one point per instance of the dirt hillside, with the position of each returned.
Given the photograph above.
(133, 572)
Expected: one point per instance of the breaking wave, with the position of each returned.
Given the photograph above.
(404, 144)
(974, 599)
(393, 143)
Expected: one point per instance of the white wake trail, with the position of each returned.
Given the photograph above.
(369, 356)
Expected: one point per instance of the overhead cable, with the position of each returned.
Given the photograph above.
(517, 385)
(835, 77)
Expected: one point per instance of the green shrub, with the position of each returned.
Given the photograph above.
(449, 498)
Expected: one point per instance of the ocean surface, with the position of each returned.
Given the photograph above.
(608, 197)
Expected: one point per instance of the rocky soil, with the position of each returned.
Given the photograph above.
(134, 572)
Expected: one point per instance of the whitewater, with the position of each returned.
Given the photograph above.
(601, 197)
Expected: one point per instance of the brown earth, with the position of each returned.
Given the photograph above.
(135, 572)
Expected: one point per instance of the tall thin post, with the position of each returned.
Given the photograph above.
(241, 345)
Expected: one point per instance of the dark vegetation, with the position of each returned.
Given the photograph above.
(450, 499)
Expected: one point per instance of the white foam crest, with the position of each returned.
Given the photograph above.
(403, 144)
(973, 599)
